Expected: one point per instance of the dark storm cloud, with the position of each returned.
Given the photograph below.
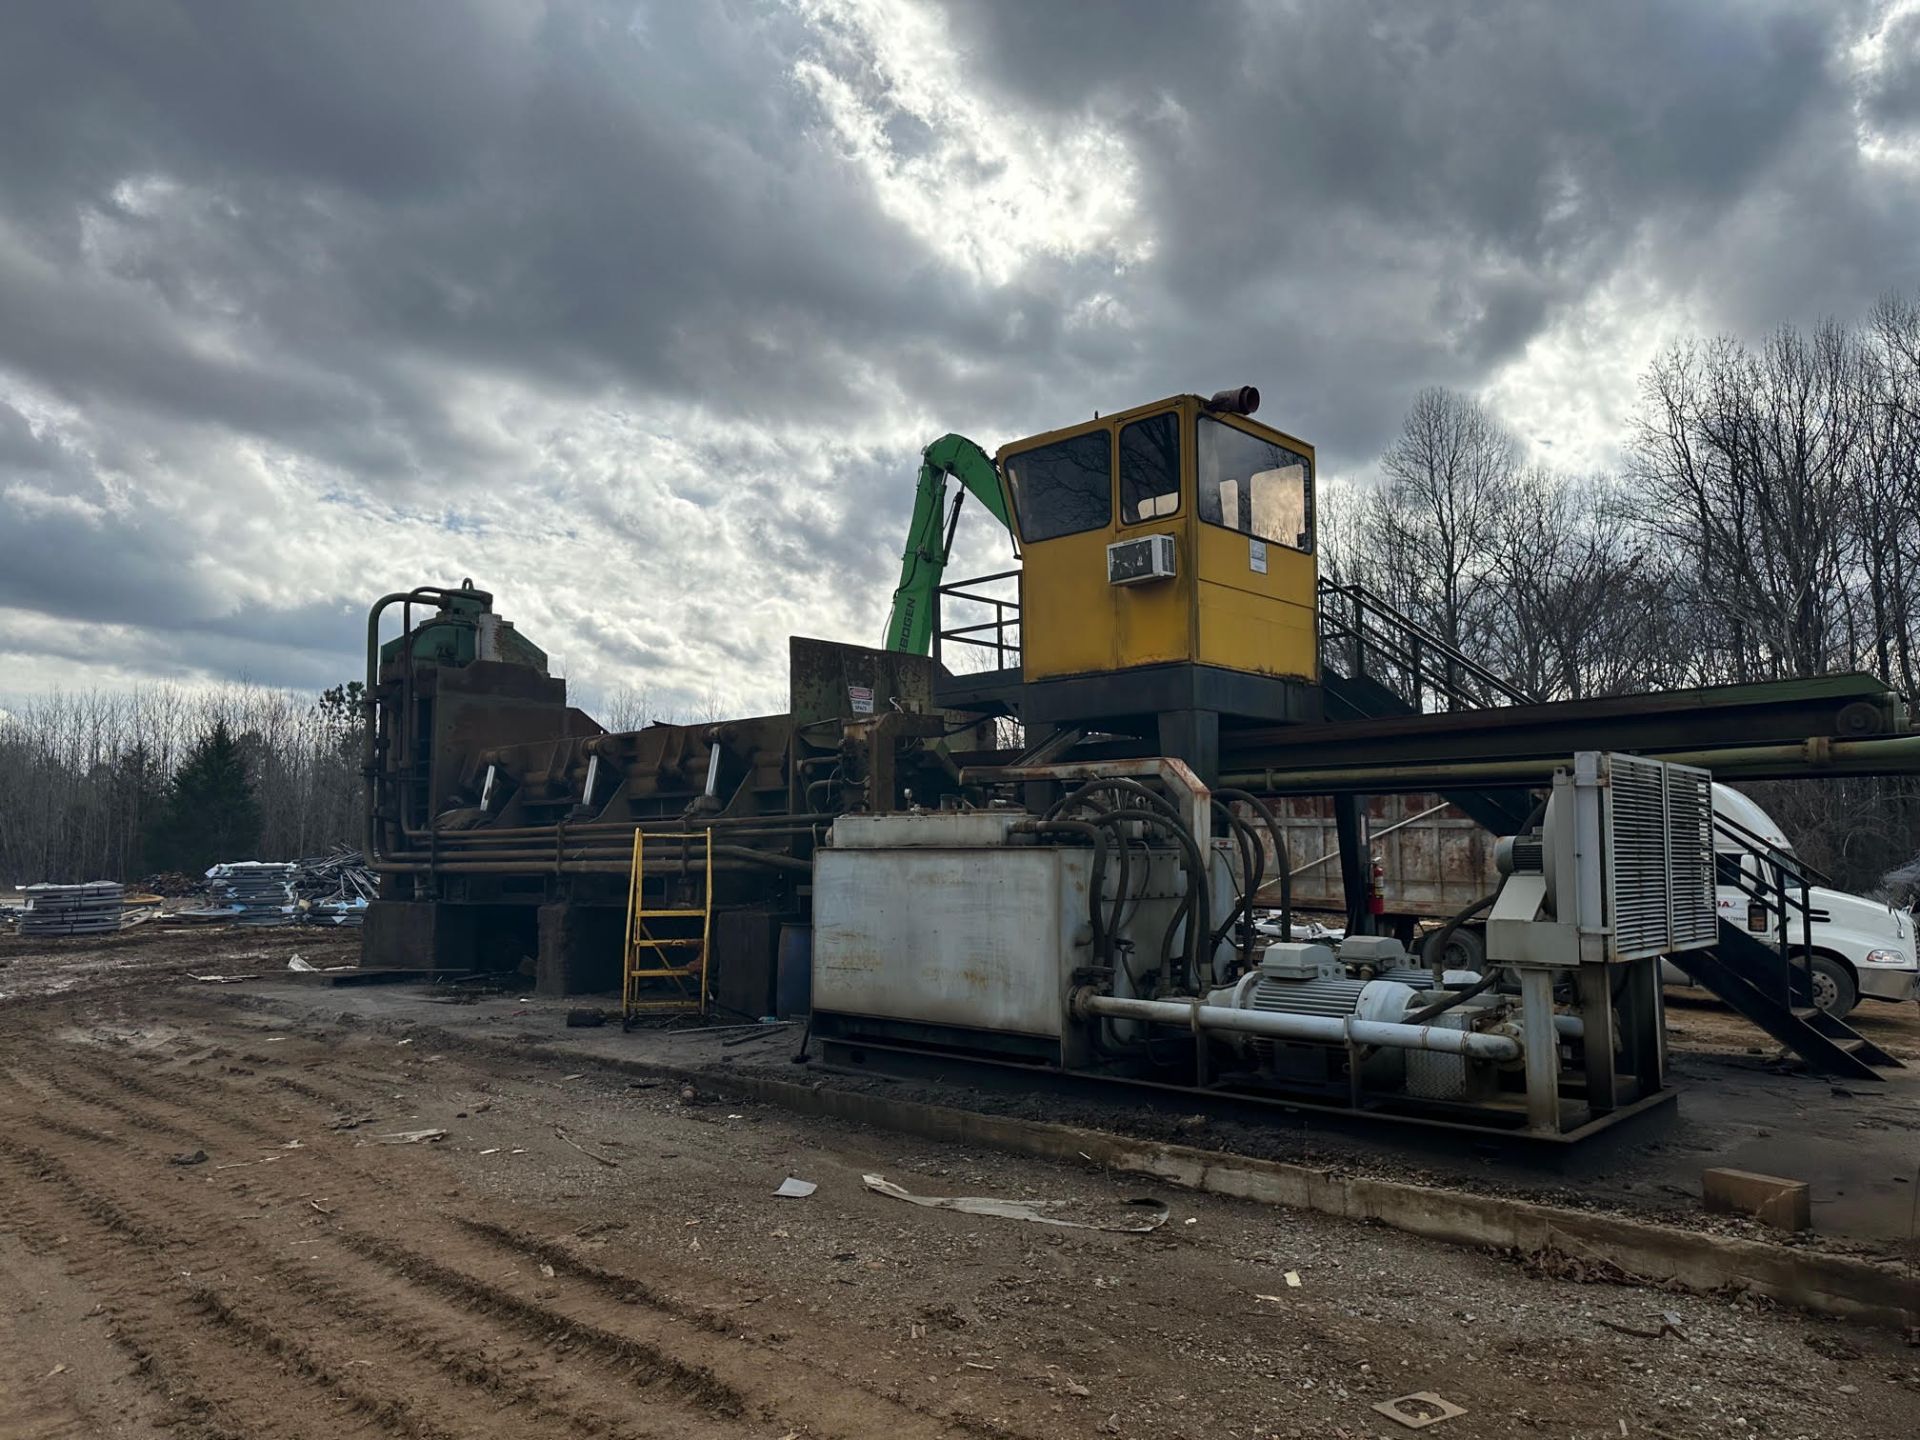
(1396, 195)
(298, 302)
(551, 198)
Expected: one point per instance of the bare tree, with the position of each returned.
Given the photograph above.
(1446, 502)
(627, 707)
(1582, 608)
(1745, 463)
(1768, 525)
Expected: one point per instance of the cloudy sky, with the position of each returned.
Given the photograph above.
(639, 313)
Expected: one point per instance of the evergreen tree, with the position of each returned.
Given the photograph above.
(338, 711)
(210, 813)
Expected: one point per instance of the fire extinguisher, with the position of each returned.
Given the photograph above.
(1376, 892)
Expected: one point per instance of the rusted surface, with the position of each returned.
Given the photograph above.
(1434, 864)
(1194, 799)
(489, 789)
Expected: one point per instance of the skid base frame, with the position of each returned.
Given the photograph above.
(1507, 1131)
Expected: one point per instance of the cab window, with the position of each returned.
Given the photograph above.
(1150, 469)
(1063, 488)
(1254, 486)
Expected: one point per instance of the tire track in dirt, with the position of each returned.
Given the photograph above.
(192, 1228)
(66, 1091)
(311, 1322)
(187, 1082)
(622, 1324)
(195, 1096)
(225, 1054)
(196, 1373)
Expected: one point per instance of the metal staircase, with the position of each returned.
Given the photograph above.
(1766, 973)
(1369, 638)
(1375, 661)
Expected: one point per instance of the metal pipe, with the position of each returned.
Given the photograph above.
(605, 835)
(500, 867)
(655, 844)
(1894, 755)
(652, 824)
(735, 856)
(564, 852)
(1318, 1029)
(1282, 857)
(421, 593)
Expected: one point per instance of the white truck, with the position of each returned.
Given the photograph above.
(1431, 861)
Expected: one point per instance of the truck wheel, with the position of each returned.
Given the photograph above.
(1833, 988)
(1466, 951)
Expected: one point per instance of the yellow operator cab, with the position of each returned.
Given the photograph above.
(1167, 570)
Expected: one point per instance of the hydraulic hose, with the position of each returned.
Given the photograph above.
(1440, 943)
(1102, 947)
(1194, 904)
(1280, 857)
(1122, 882)
(1253, 856)
(1147, 807)
(1161, 813)
(1153, 798)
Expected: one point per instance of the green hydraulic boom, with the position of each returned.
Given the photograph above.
(930, 537)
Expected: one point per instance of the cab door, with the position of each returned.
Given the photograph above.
(1254, 494)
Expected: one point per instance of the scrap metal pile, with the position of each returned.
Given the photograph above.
(334, 889)
(330, 889)
(93, 908)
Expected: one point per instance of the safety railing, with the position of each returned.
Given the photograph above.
(1366, 637)
(992, 643)
(1779, 901)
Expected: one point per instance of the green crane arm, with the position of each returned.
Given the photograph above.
(930, 536)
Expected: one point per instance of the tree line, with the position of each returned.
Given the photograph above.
(118, 785)
(1765, 525)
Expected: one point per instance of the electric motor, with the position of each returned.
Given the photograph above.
(1307, 979)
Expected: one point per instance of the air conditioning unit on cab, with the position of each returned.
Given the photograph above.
(1135, 562)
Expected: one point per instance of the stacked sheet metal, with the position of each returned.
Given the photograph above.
(90, 909)
(255, 892)
(334, 912)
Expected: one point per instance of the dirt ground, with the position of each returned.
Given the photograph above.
(208, 1229)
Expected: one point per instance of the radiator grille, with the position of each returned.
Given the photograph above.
(1661, 838)
(1639, 845)
(1696, 917)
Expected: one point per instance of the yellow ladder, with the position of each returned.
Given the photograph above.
(656, 982)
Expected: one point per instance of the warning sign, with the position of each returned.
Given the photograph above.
(860, 697)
